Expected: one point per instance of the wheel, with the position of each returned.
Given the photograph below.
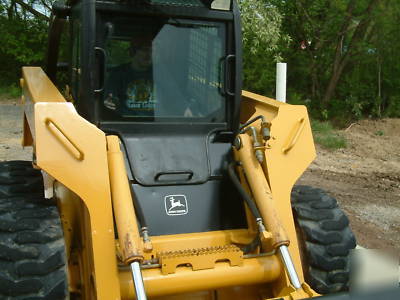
(32, 250)
(325, 239)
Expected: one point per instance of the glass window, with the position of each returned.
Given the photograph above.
(169, 71)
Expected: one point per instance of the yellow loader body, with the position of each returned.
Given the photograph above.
(87, 173)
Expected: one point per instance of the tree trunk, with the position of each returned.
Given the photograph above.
(10, 10)
(341, 60)
(330, 90)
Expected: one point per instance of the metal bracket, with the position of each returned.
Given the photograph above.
(48, 182)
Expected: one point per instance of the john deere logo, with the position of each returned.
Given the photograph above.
(176, 205)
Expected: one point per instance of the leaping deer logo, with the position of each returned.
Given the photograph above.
(174, 203)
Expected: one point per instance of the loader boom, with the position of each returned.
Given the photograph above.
(164, 248)
(170, 181)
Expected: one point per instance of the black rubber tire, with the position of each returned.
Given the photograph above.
(325, 239)
(32, 249)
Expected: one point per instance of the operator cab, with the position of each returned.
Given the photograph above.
(169, 71)
(164, 75)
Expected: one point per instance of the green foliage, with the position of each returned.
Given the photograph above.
(23, 39)
(393, 107)
(326, 136)
(9, 92)
(358, 37)
(316, 38)
(262, 40)
(261, 26)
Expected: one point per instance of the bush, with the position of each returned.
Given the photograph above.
(326, 136)
(10, 92)
(393, 107)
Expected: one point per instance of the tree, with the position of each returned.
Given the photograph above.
(355, 31)
(23, 30)
(336, 54)
(261, 26)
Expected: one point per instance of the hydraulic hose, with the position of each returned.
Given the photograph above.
(138, 208)
(250, 202)
(250, 122)
(252, 246)
(142, 220)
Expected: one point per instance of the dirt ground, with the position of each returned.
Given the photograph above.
(11, 131)
(364, 177)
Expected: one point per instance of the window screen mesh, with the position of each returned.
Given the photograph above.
(183, 71)
(204, 66)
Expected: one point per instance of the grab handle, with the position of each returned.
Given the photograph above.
(227, 84)
(64, 139)
(159, 176)
(101, 69)
(293, 140)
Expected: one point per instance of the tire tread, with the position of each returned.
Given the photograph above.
(32, 249)
(327, 238)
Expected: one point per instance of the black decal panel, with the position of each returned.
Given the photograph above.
(213, 205)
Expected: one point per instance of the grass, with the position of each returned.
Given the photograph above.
(326, 136)
(9, 92)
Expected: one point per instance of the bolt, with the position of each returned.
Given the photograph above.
(260, 156)
(237, 143)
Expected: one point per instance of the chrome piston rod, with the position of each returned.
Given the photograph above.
(138, 281)
(287, 261)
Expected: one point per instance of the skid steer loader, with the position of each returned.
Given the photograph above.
(155, 175)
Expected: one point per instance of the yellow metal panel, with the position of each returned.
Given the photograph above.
(254, 105)
(27, 139)
(87, 176)
(39, 86)
(36, 87)
(202, 295)
(124, 212)
(261, 192)
(249, 96)
(253, 271)
(291, 125)
(288, 153)
(285, 167)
